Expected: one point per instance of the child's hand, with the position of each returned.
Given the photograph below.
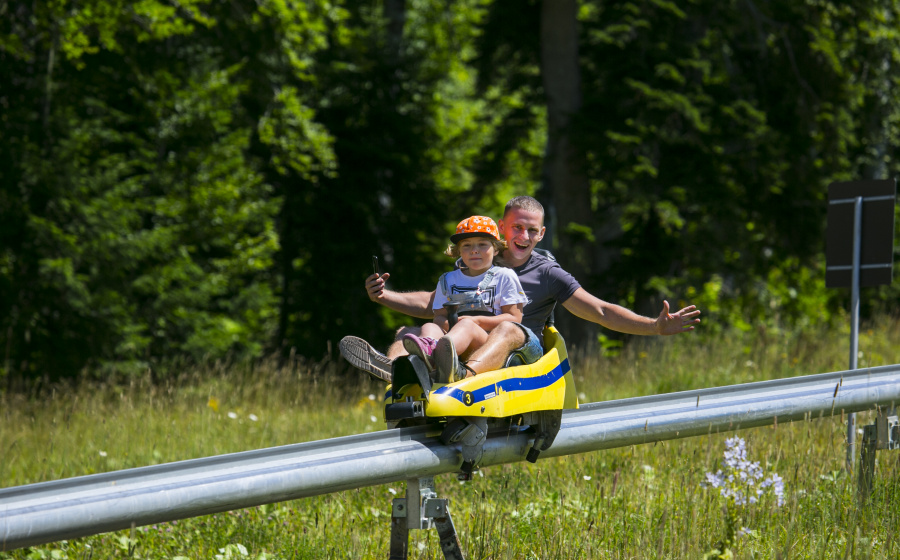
(441, 320)
(482, 321)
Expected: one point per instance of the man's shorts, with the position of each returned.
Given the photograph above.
(529, 352)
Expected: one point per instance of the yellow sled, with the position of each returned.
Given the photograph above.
(530, 397)
(547, 384)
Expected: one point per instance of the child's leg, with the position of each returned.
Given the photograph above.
(467, 337)
(432, 330)
(422, 345)
(464, 338)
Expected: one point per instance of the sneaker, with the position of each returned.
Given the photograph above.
(361, 354)
(421, 346)
(446, 360)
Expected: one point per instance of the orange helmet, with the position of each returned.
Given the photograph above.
(476, 226)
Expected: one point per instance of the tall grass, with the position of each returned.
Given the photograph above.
(636, 502)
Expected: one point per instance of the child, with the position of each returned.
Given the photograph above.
(477, 242)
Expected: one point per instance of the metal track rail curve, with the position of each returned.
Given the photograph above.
(75, 507)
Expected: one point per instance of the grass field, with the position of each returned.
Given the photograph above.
(637, 502)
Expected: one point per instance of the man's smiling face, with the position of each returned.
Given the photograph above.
(522, 230)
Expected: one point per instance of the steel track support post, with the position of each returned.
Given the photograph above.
(449, 540)
(418, 490)
(440, 512)
(406, 514)
(421, 509)
(399, 531)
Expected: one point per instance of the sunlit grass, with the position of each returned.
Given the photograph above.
(99, 427)
(636, 502)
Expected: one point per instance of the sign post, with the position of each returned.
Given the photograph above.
(859, 252)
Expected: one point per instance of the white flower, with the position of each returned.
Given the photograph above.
(371, 397)
(253, 417)
(232, 415)
(103, 453)
(373, 418)
(392, 491)
(587, 477)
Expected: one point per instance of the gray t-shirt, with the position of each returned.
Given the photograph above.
(545, 283)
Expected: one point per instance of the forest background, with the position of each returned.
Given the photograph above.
(195, 179)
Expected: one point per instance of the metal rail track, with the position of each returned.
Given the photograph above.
(76, 507)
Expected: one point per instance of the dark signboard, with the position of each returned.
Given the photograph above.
(877, 240)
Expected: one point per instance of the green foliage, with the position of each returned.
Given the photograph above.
(712, 131)
(180, 180)
(407, 132)
(141, 223)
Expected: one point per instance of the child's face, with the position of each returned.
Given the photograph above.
(477, 253)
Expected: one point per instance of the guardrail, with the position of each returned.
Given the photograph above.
(87, 505)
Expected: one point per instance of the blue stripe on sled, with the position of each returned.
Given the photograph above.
(508, 385)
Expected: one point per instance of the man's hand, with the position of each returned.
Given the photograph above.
(678, 322)
(375, 286)
(414, 304)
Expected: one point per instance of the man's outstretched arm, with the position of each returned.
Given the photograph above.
(414, 304)
(617, 318)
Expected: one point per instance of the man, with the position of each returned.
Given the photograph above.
(545, 283)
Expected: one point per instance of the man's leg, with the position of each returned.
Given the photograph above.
(361, 354)
(396, 349)
(492, 355)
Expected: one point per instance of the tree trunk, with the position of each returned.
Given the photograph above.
(565, 188)
(395, 13)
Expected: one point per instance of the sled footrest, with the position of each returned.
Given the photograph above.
(404, 410)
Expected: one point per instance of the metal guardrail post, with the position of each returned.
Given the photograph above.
(883, 434)
(867, 462)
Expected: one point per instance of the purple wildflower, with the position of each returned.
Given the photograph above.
(740, 481)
